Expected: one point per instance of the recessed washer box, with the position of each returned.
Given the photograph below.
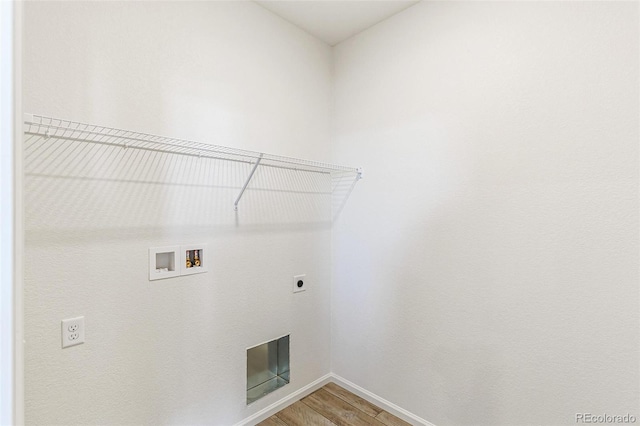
(163, 262)
(193, 259)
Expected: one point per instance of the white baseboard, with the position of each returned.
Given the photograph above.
(380, 402)
(285, 402)
(351, 387)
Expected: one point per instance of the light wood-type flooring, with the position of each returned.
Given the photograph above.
(333, 405)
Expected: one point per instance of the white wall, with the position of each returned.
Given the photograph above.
(486, 269)
(170, 351)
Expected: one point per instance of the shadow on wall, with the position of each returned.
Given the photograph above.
(73, 186)
(485, 305)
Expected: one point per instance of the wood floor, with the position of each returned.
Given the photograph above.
(333, 405)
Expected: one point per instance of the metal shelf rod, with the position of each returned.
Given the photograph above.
(253, 170)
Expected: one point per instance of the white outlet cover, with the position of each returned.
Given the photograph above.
(72, 331)
(302, 278)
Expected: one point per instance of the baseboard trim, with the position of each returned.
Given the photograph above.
(351, 387)
(380, 402)
(285, 402)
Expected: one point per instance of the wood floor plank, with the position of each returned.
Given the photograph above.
(355, 400)
(391, 420)
(339, 411)
(300, 414)
(272, 421)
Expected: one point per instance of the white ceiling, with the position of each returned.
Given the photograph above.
(333, 21)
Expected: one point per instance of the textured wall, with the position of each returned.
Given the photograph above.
(171, 351)
(485, 271)
(492, 249)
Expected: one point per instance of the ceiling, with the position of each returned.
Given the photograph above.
(334, 21)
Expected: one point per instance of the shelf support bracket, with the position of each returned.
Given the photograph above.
(253, 170)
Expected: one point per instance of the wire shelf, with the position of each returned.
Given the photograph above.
(48, 130)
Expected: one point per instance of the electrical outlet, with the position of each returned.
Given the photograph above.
(300, 283)
(72, 331)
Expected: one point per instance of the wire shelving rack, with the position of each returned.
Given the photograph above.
(48, 129)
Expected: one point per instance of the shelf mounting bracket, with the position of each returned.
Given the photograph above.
(253, 170)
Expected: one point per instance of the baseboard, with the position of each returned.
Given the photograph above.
(351, 387)
(285, 402)
(380, 402)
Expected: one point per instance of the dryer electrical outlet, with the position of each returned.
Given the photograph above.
(300, 283)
